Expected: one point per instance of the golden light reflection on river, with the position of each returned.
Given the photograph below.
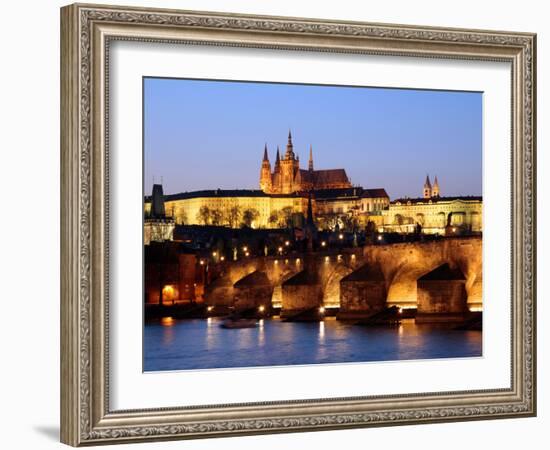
(171, 344)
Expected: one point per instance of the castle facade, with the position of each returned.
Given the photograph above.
(433, 213)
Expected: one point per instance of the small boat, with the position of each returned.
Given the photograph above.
(239, 323)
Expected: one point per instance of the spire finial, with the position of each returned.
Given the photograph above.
(427, 182)
(289, 154)
(310, 166)
(265, 153)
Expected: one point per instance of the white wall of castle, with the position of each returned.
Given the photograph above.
(186, 211)
(432, 215)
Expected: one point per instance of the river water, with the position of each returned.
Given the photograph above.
(202, 344)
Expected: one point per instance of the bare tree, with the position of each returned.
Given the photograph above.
(274, 218)
(204, 215)
(286, 217)
(249, 216)
(216, 217)
(181, 215)
(233, 216)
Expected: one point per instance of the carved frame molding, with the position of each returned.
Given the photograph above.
(86, 31)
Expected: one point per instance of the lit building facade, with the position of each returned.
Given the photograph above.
(233, 208)
(434, 215)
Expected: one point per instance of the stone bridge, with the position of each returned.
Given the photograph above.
(393, 270)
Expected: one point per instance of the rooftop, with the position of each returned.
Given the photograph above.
(320, 194)
(437, 199)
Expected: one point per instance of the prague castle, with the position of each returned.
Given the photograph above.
(282, 198)
(285, 193)
(287, 177)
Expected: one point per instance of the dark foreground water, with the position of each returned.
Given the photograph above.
(203, 344)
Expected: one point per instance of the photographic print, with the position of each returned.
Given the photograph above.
(264, 212)
(291, 224)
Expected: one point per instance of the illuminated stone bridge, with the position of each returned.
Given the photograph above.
(360, 281)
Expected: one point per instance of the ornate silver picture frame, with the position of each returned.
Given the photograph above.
(87, 32)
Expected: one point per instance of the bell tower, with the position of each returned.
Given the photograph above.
(265, 173)
(427, 188)
(289, 167)
(435, 188)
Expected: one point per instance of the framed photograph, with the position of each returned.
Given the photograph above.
(276, 224)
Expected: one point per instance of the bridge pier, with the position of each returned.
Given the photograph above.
(362, 293)
(253, 291)
(441, 295)
(301, 292)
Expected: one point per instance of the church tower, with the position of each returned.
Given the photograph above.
(435, 188)
(265, 173)
(289, 167)
(277, 168)
(310, 165)
(427, 188)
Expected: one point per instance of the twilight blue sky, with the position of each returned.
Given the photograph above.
(211, 134)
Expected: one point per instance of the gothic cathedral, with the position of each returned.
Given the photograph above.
(287, 177)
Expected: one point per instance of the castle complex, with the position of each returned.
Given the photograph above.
(286, 192)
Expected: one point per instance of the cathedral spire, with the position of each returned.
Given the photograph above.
(265, 173)
(277, 167)
(289, 147)
(435, 188)
(427, 188)
(310, 166)
(427, 182)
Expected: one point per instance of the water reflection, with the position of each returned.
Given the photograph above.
(321, 331)
(168, 333)
(261, 333)
(199, 344)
